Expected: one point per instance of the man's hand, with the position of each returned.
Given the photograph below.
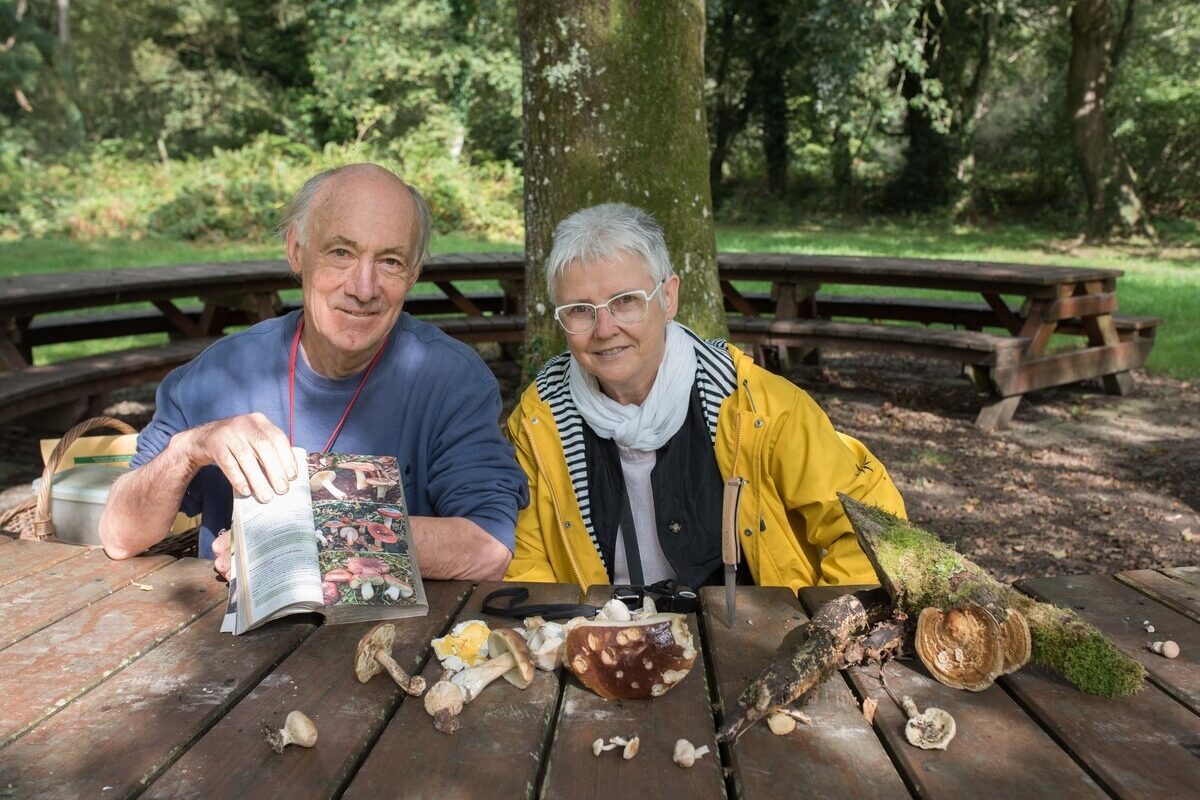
(253, 453)
(221, 547)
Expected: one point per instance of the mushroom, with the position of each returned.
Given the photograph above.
(360, 468)
(961, 648)
(323, 479)
(510, 659)
(638, 658)
(382, 533)
(396, 588)
(381, 486)
(687, 754)
(391, 513)
(297, 729)
(614, 610)
(781, 724)
(444, 701)
(375, 651)
(546, 645)
(330, 593)
(1167, 649)
(466, 645)
(339, 575)
(931, 729)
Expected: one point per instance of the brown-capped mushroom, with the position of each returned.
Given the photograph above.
(297, 729)
(637, 658)
(323, 479)
(381, 486)
(444, 701)
(382, 533)
(375, 651)
(931, 729)
(509, 659)
(961, 648)
(360, 469)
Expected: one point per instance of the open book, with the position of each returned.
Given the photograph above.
(337, 543)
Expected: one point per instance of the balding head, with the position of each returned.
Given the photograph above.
(330, 184)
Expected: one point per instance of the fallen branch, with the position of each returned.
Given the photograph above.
(919, 571)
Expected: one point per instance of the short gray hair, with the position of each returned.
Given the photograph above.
(295, 213)
(602, 233)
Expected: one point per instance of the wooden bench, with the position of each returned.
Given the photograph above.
(71, 385)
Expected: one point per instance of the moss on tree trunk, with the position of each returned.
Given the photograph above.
(614, 111)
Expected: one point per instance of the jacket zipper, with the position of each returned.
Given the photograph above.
(562, 533)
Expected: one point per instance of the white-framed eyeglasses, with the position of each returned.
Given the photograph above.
(626, 308)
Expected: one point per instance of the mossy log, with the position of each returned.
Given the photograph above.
(920, 571)
(807, 656)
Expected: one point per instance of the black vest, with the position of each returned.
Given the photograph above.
(686, 486)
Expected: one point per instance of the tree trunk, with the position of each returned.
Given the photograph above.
(770, 88)
(614, 111)
(1099, 31)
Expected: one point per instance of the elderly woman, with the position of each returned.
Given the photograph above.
(628, 438)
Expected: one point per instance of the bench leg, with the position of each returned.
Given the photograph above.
(997, 412)
(1119, 383)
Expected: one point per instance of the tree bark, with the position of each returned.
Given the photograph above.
(614, 111)
(1099, 31)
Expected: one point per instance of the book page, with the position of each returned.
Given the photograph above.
(364, 539)
(278, 550)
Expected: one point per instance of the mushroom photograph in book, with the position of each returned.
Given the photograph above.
(341, 476)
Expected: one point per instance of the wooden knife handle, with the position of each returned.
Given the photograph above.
(730, 546)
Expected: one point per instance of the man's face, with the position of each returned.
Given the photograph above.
(357, 263)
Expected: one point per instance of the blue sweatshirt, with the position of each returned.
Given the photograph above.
(431, 402)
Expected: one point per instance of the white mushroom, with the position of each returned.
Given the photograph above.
(686, 754)
(546, 645)
(931, 729)
(614, 610)
(443, 702)
(323, 479)
(781, 724)
(510, 659)
(1167, 649)
(297, 729)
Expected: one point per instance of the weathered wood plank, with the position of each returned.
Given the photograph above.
(24, 557)
(1180, 595)
(810, 762)
(118, 737)
(233, 758)
(88, 646)
(682, 713)
(1119, 612)
(1136, 747)
(1062, 368)
(1186, 574)
(498, 749)
(47, 596)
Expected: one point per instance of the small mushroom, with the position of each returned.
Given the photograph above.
(599, 747)
(391, 513)
(360, 469)
(297, 729)
(375, 651)
(330, 593)
(638, 658)
(931, 729)
(961, 648)
(444, 701)
(686, 754)
(614, 610)
(631, 748)
(546, 644)
(781, 724)
(1167, 649)
(323, 479)
(339, 576)
(381, 486)
(382, 533)
(510, 660)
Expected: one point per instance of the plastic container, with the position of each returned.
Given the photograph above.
(77, 497)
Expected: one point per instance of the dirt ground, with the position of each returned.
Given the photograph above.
(1081, 482)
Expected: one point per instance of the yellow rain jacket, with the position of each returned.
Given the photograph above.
(769, 432)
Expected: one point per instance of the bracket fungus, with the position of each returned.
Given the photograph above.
(961, 648)
(510, 660)
(931, 729)
(297, 729)
(628, 659)
(375, 651)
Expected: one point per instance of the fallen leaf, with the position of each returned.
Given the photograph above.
(868, 710)
(1059, 554)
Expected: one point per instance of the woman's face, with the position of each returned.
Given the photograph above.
(624, 357)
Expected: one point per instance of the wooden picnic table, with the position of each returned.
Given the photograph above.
(116, 683)
(1004, 365)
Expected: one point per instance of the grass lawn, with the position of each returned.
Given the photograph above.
(1160, 281)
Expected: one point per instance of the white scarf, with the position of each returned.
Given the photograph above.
(650, 425)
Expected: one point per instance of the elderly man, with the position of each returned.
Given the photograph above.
(628, 438)
(350, 372)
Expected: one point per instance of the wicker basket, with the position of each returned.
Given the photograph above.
(32, 520)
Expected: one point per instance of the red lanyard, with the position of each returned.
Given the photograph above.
(292, 388)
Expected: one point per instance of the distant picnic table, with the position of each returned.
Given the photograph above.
(117, 684)
(792, 320)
